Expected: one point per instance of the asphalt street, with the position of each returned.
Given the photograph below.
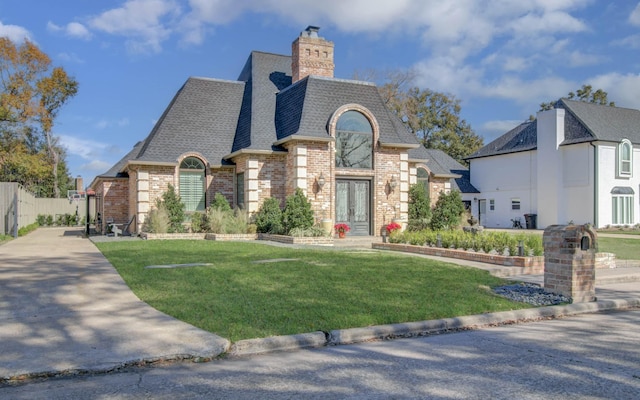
(589, 356)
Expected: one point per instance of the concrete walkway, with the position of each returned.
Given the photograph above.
(64, 308)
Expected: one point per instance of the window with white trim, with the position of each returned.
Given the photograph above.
(492, 205)
(622, 206)
(192, 184)
(625, 159)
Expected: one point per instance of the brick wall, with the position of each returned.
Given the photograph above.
(115, 200)
(221, 181)
(311, 56)
(568, 269)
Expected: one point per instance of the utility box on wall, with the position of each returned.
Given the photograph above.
(569, 261)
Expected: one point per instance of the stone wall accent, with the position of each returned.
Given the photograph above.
(528, 265)
(318, 241)
(569, 261)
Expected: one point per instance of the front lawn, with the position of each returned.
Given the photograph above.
(624, 249)
(257, 290)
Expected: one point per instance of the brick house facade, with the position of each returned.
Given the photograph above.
(286, 123)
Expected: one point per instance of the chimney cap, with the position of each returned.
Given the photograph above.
(311, 31)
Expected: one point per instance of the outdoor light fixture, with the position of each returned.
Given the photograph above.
(320, 182)
(393, 183)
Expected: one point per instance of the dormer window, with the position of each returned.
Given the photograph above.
(625, 159)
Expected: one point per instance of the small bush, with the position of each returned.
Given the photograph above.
(49, 220)
(220, 202)
(448, 211)
(157, 220)
(41, 219)
(419, 208)
(236, 222)
(175, 209)
(198, 222)
(297, 212)
(269, 217)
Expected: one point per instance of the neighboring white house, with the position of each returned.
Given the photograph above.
(579, 162)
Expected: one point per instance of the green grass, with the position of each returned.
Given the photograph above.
(238, 298)
(624, 249)
(5, 238)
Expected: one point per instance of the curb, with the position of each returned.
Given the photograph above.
(423, 328)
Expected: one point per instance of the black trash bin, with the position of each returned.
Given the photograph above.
(530, 220)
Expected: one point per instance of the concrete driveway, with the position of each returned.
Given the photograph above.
(63, 307)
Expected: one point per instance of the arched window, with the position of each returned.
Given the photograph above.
(192, 187)
(625, 159)
(354, 141)
(423, 179)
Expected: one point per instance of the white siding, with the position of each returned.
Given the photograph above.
(607, 180)
(502, 178)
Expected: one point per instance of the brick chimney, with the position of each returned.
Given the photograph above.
(311, 55)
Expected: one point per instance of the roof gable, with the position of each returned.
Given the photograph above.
(602, 122)
(521, 138)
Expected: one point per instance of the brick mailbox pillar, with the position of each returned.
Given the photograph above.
(569, 261)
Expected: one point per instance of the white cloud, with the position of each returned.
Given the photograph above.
(632, 42)
(623, 89)
(16, 33)
(70, 57)
(145, 23)
(96, 166)
(72, 29)
(494, 129)
(86, 149)
(634, 18)
(579, 59)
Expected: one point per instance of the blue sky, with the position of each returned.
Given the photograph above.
(501, 58)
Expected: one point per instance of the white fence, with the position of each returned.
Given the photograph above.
(20, 208)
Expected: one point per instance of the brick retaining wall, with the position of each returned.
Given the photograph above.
(533, 265)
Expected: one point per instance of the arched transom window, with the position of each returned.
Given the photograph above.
(192, 184)
(354, 141)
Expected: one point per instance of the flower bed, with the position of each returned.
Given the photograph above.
(530, 265)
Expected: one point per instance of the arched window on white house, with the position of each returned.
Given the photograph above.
(192, 184)
(625, 159)
(354, 141)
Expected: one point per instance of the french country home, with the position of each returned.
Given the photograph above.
(286, 123)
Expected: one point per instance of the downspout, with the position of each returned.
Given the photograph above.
(595, 185)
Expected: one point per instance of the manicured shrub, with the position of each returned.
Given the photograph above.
(41, 219)
(269, 217)
(448, 211)
(220, 202)
(175, 209)
(49, 220)
(198, 222)
(419, 208)
(297, 212)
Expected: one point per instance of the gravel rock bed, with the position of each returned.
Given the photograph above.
(531, 294)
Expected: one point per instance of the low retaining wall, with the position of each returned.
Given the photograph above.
(533, 265)
(317, 241)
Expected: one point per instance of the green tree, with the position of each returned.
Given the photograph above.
(419, 208)
(31, 95)
(448, 211)
(269, 217)
(587, 94)
(175, 209)
(297, 212)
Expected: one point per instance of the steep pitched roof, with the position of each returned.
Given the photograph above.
(265, 75)
(201, 117)
(602, 122)
(584, 122)
(521, 138)
(440, 164)
(306, 107)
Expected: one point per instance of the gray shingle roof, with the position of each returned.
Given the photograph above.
(603, 122)
(443, 165)
(306, 107)
(202, 117)
(584, 122)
